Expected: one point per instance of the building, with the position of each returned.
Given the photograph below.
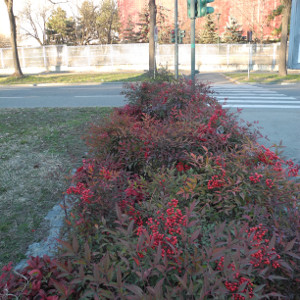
(250, 15)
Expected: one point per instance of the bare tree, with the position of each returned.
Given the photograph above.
(4, 41)
(34, 21)
(254, 16)
(152, 9)
(284, 37)
(13, 38)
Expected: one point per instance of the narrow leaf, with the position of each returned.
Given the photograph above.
(290, 245)
(135, 289)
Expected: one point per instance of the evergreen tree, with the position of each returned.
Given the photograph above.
(143, 32)
(276, 13)
(86, 29)
(129, 35)
(108, 22)
(208, 34)
(233, 33)
(60, 29)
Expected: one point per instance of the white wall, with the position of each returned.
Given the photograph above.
(223, 57)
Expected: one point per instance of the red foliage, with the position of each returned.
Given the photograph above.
(166, 207)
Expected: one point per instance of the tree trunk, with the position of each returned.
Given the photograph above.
(152, 9)
(13, 38)
(284, 37)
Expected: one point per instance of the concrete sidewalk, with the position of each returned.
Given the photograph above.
(214, 78)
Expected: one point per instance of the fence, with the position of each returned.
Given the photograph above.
(223, 57)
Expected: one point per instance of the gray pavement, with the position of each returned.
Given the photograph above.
(101, 95)
(276, 108)
(280, 120)
(213, 78)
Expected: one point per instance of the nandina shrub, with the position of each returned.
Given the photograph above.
(158, 99)
(212, 159)
(175, 169)
(138, 144)
(233, 180)
(149, 261)
(39, 280)
(97, 187)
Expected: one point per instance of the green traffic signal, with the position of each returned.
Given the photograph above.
(181, 35)
(203, 9)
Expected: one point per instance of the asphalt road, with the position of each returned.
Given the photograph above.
(278, 124)
(275, 107)
(102, 95)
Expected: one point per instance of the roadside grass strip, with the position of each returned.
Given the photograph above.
(38, 148)
(72, 78)
(264, 77)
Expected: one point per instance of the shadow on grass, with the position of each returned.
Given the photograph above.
(264, 78)
(73, 78)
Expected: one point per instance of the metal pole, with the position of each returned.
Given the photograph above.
(193, 53)
(176, 39)
(218, 18)
(154, 65)
(249, 61)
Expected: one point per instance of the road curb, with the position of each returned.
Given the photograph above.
(230, 79)
(60, 84)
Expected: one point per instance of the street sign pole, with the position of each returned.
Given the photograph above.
(193, 53)
(176, 39)
(155, 46)
(249, 39)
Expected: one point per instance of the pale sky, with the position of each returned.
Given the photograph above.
(70, 7)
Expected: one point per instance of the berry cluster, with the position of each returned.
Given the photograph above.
(215, 182)
(269, 183)
(164, 230)
(234, 285)
(268, 157)
(255, 178)
(263, 255)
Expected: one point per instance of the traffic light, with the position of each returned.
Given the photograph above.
(173, 36)
(203, 9)
(181, 35)
(189, 8)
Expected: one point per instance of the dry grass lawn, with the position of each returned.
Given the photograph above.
(38, 150)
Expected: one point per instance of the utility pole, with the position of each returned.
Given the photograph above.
(176, 39)
(218, 18)
(193, 53)
(152, 65)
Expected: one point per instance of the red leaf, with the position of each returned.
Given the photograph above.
(35, 273)
(195, 235)
(135, 289)
(290, 245)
